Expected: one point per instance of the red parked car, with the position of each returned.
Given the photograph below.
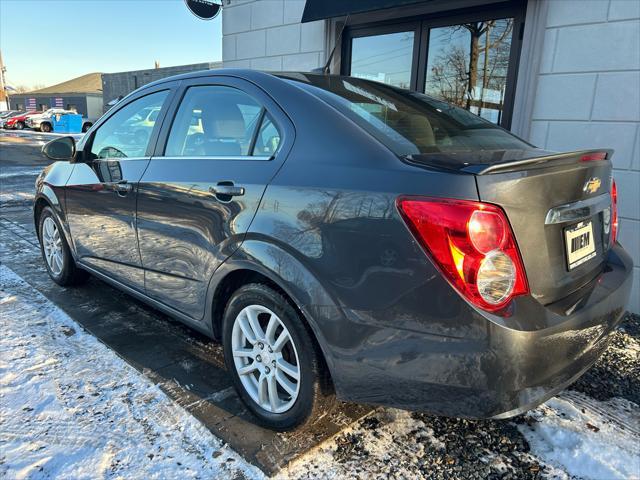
(18, 122)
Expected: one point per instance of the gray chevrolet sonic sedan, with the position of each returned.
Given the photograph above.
(342, 235)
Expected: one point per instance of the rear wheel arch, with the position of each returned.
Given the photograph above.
(240, 277)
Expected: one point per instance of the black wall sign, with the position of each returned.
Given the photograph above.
(204, 9)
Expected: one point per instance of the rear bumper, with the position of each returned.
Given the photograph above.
(515, 365)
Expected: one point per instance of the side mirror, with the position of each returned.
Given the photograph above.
(63, 148)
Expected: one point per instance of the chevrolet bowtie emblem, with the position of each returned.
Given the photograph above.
(592, 185)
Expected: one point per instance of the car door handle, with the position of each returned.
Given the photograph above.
(122, 187)
(223, 190)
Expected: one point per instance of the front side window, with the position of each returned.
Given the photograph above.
(214, 121)
(128, 131)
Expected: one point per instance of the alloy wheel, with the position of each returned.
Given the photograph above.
(52, 244)
(266, 359)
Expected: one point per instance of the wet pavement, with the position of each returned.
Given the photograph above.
(188, 366)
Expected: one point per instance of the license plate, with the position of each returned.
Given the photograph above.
(580, 244)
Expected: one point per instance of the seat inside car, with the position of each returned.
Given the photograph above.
(418, 128)
(223, 130)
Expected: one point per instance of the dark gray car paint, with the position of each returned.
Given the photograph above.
(327, 231)
(183, 245)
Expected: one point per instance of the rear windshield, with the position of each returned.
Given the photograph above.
(410, 123)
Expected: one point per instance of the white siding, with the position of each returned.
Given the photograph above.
(587, 95)
(268, 35)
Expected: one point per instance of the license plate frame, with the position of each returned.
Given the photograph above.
(580, 245)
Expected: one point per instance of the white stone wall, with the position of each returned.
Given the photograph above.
(588, 95)
(268, 35)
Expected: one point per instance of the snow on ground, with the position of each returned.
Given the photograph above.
(569, 437)
(585, 437)
(7, 172)
(71, 408)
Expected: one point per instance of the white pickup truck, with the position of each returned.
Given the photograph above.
(43, 123)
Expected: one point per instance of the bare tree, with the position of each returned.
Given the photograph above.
(26, 89)
(454, 74)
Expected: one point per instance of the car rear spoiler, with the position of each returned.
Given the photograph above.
(486, 162)
(546, 161)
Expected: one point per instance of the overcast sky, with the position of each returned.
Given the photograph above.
(45, 42)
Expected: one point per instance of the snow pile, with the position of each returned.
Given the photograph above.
(71, 408)
(587, 438)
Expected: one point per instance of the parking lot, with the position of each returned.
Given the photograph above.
(591, 431)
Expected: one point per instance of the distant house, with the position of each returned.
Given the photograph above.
(82, 94)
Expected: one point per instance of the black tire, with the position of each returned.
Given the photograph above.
(19, 125)
(315, 393)
(45, 127)
(70, 274)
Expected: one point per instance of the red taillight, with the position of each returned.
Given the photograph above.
(472, 244)
(590, 157)
(614, 212)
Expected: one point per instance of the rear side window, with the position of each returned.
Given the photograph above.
(411, 123)
(268, 138)
(218, 121)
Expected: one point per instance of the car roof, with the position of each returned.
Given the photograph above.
(246, 73)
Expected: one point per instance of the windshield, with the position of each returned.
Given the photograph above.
(409, 123)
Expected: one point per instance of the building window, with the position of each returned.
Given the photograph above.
(43, 107)
(468, 59)
(385, 58)
(467, 65)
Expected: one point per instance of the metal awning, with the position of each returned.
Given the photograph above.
(321, 9)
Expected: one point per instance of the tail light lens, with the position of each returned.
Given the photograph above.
(472, 244)
(594, 156)
(614, 213)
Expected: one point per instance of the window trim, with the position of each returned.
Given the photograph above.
(421, 25)
(254, 138)
(163, 140)
(245, 158)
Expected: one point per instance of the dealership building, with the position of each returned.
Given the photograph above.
(562, 74)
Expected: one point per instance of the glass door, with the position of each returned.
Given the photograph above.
(468, 58)
(468, 64)
(385, 58)
(385, 54)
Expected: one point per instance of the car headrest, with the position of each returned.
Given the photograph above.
(418, 129)
(223, 120)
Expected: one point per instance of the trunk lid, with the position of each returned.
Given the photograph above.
(557, 205)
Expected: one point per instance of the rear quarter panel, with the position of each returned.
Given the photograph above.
(331, 211)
